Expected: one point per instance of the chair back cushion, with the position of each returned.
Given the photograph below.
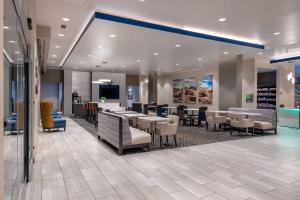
(109, 129)
(46, 108)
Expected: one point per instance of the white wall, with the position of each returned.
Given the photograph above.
(67, 92)
(249, 85)
(81, 82)
(117, 79)
(143, 89)
(165, 86)
(286, 88)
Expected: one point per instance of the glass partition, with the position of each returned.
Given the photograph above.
(14, 112)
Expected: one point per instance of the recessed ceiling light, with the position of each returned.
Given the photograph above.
(57, 46)
(156, 54)
(112, 35)
(5, 27)
(54, 56)
(65, 19)
(177, 45)
(177, 64)
(200, 59)
(123, 66)
(260, 53)
(138, 60)
(223, 19)
(99, 47)
(61, 35)
(142, 0)
(225, 52)
(17, 52)
(276, 33)
(81, 62)
(12, 41)
(90, 55)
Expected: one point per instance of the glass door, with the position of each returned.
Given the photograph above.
(16, 104)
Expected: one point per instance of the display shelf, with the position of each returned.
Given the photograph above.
(266, 97)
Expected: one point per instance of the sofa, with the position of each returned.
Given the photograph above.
(115, 130)
(267, 121)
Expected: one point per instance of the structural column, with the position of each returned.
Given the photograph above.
(152, 87)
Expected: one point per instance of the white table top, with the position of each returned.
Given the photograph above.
(220, 111)
(169, 107)
(154, 119)
(125, 112)
(134, 115)
(191, 109)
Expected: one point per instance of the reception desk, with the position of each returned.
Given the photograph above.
(289, 117)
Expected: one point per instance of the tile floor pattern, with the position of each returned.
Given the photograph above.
(74, 165)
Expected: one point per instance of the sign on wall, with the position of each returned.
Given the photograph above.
(178, 91)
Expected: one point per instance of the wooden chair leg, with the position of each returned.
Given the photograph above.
(167, 139)
(175, 140)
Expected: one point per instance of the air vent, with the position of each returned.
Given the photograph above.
(98, 66)
(63, 26)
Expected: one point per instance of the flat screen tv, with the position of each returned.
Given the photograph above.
(109, 91)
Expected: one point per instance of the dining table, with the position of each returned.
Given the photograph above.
(153, 120)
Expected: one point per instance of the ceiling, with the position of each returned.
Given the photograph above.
(250, 20)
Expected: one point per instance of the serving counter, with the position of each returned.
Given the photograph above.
(289, 117)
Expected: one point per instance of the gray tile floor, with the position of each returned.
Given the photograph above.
(75, 165)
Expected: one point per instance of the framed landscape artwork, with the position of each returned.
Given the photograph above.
(190, 90)
(178, 91)
(205, 90)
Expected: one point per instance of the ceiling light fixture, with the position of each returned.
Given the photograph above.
(65, 19)
(54, 56)
(99, 47)
(156, 54)
(112, 35)
(138, 60)
(57, 46)
(276, 33)
(223, 19)
(225, 52)
(177, 64)
(177, 45)
(123, 66)
(61, 35)
(17, 52)
(142, 0)
(5, 27)
(90, 55)
(200, 59)
(12, 41)
(81, 62)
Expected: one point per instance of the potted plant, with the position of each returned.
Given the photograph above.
(102, 99)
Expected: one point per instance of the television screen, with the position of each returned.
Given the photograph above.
(109, 91)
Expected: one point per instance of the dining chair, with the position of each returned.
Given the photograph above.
(168, 128)
(143, 125)
(239, 121)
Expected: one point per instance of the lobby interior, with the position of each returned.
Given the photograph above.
(148, 99)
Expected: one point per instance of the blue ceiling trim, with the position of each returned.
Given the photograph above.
(143, 24)
(284, 59)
